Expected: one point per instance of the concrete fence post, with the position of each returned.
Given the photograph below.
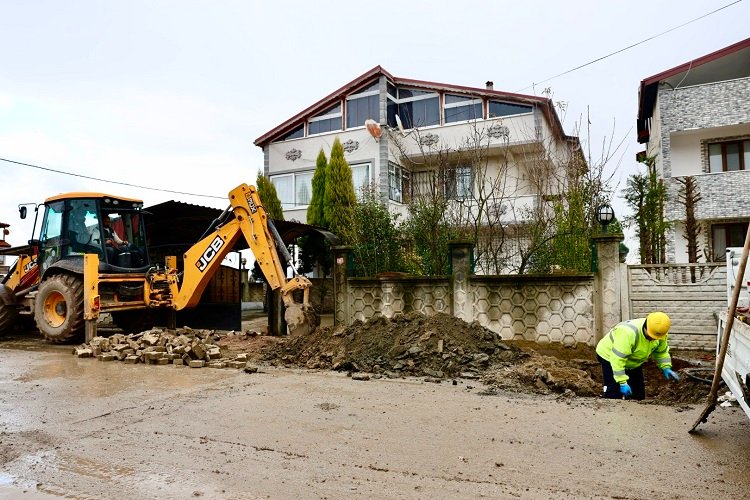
(342, 256)
(461, 264)
(607, 291)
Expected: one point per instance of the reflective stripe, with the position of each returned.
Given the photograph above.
(663, 360)
(618, 353)
(635, 331)
(619, 372)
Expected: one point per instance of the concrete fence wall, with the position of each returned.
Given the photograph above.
(547, 308)
(543, 308)
(691, 294)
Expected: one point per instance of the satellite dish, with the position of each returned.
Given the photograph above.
(400, 125)
(373, 128)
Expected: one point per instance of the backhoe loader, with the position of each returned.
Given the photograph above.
(82, 266)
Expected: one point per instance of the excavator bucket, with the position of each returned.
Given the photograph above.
(301, 319)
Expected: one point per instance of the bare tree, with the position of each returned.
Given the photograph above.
(516, 202)
(689, 196)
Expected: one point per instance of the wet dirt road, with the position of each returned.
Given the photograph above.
(80, 428)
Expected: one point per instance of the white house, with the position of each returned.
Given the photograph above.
(418, 119)
(695, 120)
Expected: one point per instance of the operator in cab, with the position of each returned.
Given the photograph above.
(623, 351)
(112, 241)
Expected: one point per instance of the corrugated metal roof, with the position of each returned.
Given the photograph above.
(175, 223)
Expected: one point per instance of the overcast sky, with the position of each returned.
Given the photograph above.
(172, 94)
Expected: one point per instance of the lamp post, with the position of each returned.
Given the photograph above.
(605, 215)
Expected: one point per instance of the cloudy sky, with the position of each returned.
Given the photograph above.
(170, 95)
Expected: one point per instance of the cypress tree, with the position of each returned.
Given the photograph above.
(269, 197)
(315, 215)
(339, 198)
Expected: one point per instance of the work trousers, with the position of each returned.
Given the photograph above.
(612, 388)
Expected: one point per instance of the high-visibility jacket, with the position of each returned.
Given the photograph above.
(625, 347)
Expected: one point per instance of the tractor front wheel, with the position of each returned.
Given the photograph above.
(58, 310)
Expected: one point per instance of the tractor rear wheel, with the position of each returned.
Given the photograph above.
(58, 310)
(8, 311)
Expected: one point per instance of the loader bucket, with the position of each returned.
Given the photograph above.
(301, 319)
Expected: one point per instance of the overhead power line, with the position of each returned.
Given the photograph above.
(631, 46)
(72, 174)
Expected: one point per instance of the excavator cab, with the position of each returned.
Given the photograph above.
(84, 223)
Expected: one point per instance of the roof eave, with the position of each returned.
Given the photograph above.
(649, 86)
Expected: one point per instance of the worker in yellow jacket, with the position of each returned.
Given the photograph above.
(626, 347)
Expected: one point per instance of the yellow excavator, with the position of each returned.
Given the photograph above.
(92, 257)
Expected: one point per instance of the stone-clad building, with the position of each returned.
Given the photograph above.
(695, 120)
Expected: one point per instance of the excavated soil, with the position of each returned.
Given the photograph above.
(443, 347)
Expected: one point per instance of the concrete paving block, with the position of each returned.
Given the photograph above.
(198, 352)
(106, 357)
(217, 364)
(161, 361)
(83, 352)
(197, 363)
(236, 364)
(131, 359)
(153, 356)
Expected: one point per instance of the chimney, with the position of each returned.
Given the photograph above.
(489, 84)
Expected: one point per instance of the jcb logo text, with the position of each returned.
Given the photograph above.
(210, 253)
(249, 198)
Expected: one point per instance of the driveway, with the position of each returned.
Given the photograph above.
(81, 428)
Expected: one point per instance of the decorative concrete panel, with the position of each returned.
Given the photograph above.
(370, 297)
(692, 307)
(536, 310)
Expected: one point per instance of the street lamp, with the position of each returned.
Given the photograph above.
(604, 214)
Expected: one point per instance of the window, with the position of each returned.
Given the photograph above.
(303, 188)
(294, 190)
(458, 183)
(729, 156)
(497, 109)
(399, 183)
(460, 108)
(360, 176)
(363, 105)
(295, 133)
(724, 236)
(327, 121)
(418, 108)
(455, 183)
(284, 185)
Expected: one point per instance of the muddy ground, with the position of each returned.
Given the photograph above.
(443, 347)
(365, 418)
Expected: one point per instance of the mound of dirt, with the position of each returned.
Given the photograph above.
(407, 344)
(442, 346)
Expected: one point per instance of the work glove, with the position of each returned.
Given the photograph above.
(625, 390)
(669, 373)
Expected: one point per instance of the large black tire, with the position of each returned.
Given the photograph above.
(8, 318)
(58, 310)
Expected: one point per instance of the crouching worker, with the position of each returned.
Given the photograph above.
(626, 347)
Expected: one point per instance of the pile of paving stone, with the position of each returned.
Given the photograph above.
(183, 346)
